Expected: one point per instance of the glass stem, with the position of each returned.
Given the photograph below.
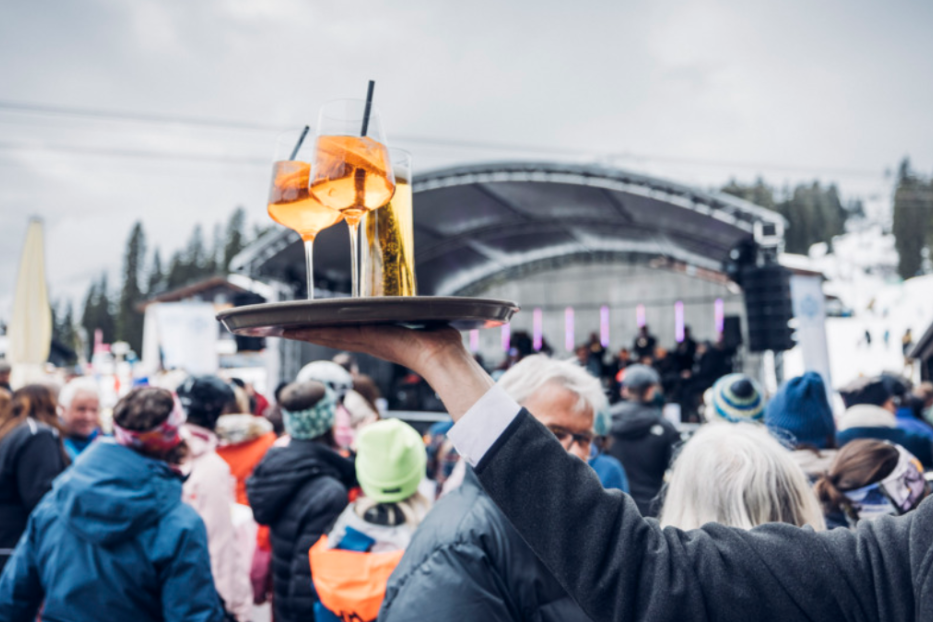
(354, 254)
(309, 265)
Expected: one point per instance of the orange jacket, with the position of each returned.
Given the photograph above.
(243, 458)
(351, 584)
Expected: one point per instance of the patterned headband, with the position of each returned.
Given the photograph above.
(311, 422)
(159, 439)
(898, 493)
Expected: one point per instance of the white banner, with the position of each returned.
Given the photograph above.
(810, 314)
(181, 335)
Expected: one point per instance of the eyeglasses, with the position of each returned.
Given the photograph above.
(568, 439)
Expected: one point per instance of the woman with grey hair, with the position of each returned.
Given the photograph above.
(737, 475)
(79, 411)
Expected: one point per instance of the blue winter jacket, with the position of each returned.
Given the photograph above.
(610, 471)
(112, 541)
(907, 421)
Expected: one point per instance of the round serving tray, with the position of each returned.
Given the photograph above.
(268, 320)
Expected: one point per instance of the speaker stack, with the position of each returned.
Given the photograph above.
(768, 307)
(248, 344)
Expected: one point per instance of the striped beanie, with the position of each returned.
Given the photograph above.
(735, 398)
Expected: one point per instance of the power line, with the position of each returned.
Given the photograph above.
(443, 143)
(132, 153)
(110, 115)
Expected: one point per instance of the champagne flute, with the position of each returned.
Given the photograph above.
(290, 201)
(351, 171)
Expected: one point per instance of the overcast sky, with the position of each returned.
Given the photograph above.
(695, 91)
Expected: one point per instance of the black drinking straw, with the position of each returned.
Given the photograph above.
(369, 105)
(301, 139)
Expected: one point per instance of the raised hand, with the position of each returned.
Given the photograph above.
(437, 355)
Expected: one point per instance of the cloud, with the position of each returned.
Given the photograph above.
(838, 84)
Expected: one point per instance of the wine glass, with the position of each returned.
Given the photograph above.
(351, 171)
(290, 201)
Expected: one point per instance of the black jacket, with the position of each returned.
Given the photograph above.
(620, 566)
(643, 441)
(466, 562)
(298, 491)
(30, 458)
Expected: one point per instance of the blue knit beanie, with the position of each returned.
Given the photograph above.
(735, 398)
(801, 408)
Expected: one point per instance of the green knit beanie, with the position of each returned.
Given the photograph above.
(390, 460)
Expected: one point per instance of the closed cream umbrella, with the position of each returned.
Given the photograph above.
(30, 329)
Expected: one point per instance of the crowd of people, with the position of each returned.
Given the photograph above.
(686, 370)
(200, 502)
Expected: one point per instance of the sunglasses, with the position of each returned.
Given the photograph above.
(583, 439)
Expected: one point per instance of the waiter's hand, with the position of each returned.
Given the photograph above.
(437, 355)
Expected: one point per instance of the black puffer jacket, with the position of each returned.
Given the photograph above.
(30, 458)
(298, 491)
(643, 441)
(467, 562)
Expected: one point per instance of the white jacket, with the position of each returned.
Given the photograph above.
(209, 489)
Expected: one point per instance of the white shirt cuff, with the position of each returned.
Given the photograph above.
(487, 419)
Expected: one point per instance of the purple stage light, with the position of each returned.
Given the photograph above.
(538, 334)
(604, 326)
(679, 321)
(568, 329)
(720, 314)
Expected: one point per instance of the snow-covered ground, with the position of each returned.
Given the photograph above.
(861, 272)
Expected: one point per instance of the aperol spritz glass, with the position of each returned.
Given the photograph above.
(290, 200)
(351, 171)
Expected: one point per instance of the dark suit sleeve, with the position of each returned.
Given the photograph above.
(38, 463)
(620, 566)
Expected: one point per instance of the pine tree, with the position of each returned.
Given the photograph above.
(98, 314)
(196, 253)
(129, 321)
(855, 209)
(88, 319)
(216, 256)
(760, 193)
(105, 316)
(912, 220)
(69, 336)
(813, 213)
(235, 236)
(63, 330)
(155, 275)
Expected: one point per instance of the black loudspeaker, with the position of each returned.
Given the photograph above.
(768, 307)
(731, 332)
(248, 344)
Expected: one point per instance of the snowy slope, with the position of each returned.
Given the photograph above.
(861, 273)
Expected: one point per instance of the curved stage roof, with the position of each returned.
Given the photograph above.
(481, 223)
